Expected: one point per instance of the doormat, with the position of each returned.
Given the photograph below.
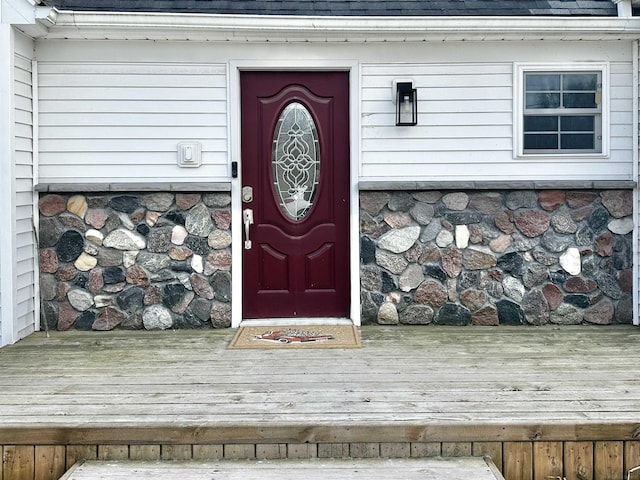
(299, 336)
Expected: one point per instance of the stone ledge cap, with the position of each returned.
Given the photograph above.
(498, 185)
(135, 187)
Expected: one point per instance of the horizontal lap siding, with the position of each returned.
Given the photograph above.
(465, 129)
(621, 86)
(117, 121)
(24, 254)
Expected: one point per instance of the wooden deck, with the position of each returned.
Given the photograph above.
(541, 401)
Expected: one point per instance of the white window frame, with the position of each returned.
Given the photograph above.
(518, 107)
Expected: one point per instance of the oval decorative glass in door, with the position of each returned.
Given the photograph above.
(295, 161)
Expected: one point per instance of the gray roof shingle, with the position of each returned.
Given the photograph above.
(349, 7)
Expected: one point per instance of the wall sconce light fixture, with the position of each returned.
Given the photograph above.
(406, 100)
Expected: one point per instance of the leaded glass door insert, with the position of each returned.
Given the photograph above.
(295, 161)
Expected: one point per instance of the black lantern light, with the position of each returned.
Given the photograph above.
(406, 104)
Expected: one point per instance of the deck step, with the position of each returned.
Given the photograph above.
(433, 468)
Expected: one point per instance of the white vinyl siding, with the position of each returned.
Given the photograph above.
(465, 127)
(19, 265)
(464, 113)
(118, 122)
(621, 110)
(121, 118)
(25, 259)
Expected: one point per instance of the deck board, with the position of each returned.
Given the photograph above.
(462, 468)
(411, 383)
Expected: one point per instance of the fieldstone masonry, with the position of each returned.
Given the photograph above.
(496, 257)
(134, 261)
(163, 260)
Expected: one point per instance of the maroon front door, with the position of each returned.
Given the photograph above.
(295, 190)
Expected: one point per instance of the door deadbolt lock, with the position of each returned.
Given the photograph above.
(247, 194)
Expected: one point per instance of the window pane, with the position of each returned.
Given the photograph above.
(542, 82)
(540, 141)
(576, 141)
(582, 123)
(580, 81)
(540, 123)
(579, 100)
(543, 100)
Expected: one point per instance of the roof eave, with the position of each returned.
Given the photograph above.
(163, 26)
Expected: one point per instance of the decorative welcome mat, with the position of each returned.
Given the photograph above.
(299, 336)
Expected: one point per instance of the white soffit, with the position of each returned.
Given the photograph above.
(173, 26)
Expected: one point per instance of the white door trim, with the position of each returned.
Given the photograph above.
(233, 86)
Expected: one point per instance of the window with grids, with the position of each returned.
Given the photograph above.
(562, 112)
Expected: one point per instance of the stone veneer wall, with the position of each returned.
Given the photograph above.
(153, 261)
(496, 257)
(163, 260)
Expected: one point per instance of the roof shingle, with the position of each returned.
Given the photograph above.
(349, 7)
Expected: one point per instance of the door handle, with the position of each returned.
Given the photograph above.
(247, 218)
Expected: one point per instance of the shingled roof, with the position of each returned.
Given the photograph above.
(604, 8)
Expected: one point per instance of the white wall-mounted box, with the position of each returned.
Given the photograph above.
(189, 154)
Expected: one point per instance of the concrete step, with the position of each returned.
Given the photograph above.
(432, 468)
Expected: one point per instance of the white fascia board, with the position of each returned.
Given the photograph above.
(159, 26)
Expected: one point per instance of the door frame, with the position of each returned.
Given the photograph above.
(233, 87)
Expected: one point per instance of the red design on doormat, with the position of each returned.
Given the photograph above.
(293, 336)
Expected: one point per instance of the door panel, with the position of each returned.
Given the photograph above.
(295, 157)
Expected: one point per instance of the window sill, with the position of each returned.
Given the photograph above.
(561, 156)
